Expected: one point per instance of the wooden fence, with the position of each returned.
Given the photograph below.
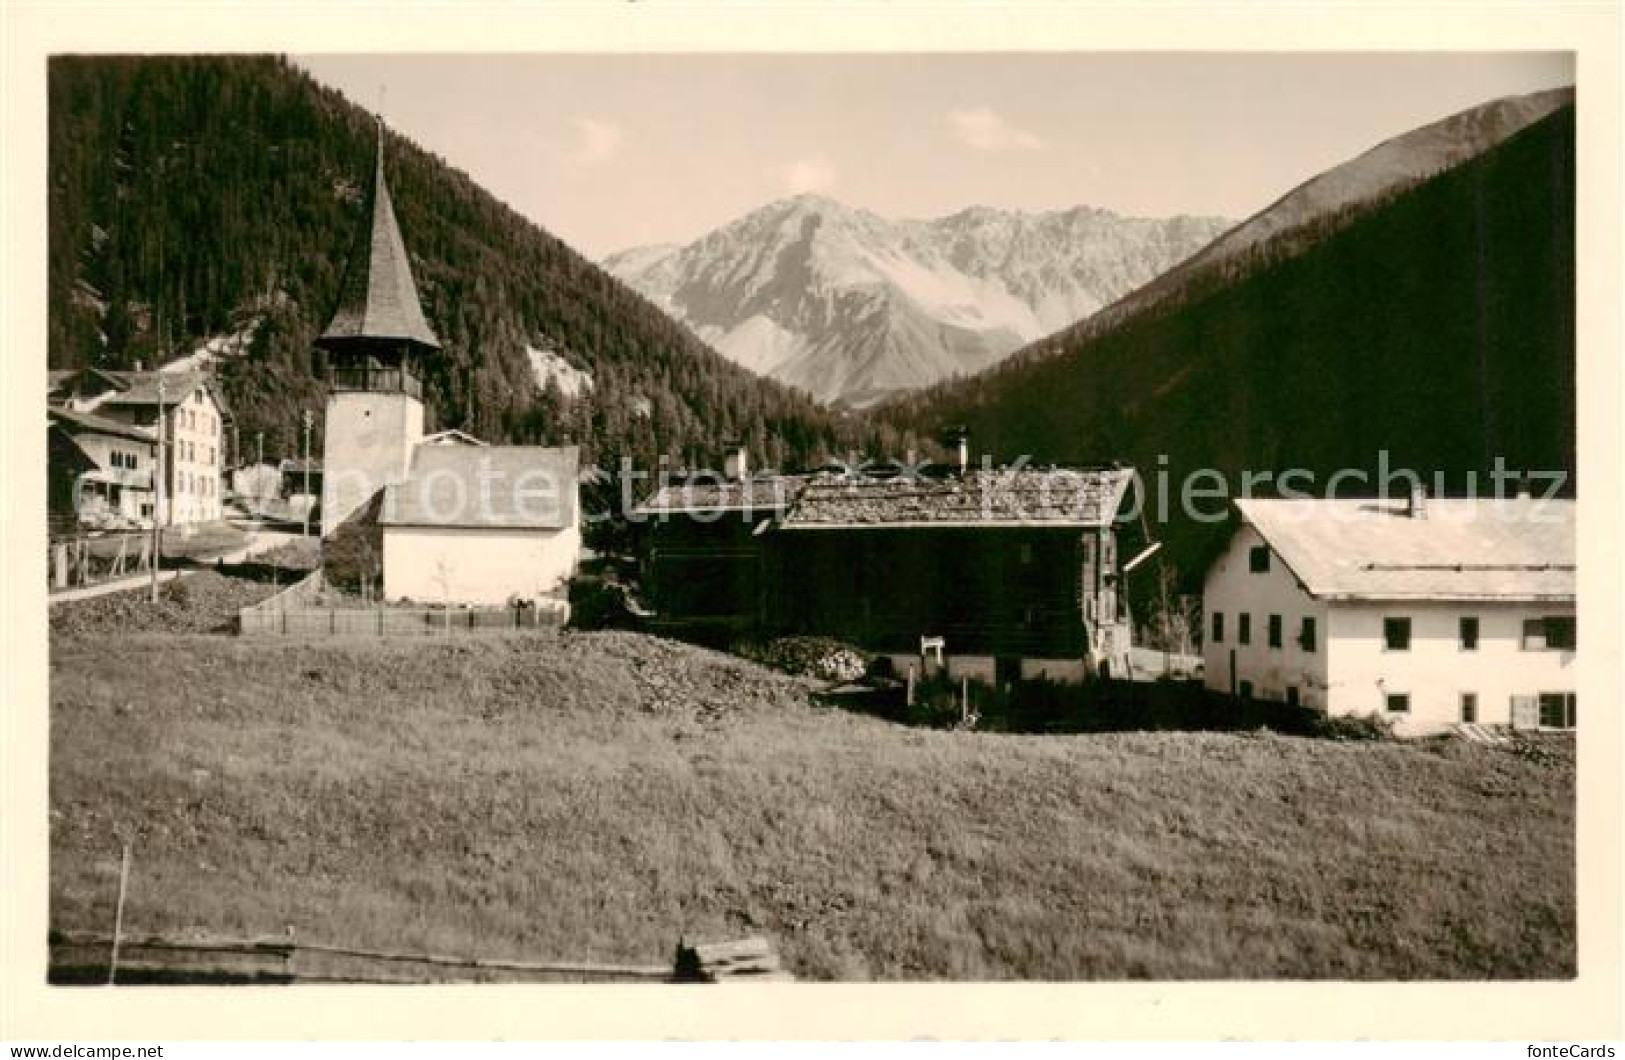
(393, 621)
(84, 958)
(83, 560)
(297, 611)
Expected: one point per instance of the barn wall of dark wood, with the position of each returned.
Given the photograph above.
(1016, 591)
(705, 571)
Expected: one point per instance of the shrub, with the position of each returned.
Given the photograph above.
(1352, 727)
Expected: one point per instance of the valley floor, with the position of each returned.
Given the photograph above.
(596, 795)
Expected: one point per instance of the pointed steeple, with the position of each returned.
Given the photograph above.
(378, 302)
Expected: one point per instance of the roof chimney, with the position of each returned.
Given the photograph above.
(1418, 506)
(735, 461)
(961, 439)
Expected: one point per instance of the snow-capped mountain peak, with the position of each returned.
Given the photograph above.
(853, 306)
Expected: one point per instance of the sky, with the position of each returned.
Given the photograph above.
(614, 151)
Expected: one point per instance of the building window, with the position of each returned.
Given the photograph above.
(1307, 634)
(1258, 559)
(1557, 710)
(1550, 633)
(1244, 628)
(1469, 633)
(1246, 689)
(1292, 695)
(1218, 627)
(1469, 707)
(1396, 634)
(1275, 631)
(1398, 702)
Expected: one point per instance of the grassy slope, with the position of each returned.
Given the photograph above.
(595, 794)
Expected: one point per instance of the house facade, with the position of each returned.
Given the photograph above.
(101, 471)
(194, 423)
(1427, 612)
(482, 525)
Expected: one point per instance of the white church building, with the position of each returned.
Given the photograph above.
(1428, 612)
(461, 522)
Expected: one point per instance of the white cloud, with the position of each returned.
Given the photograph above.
(597, 141)
(813, 173)
(986, 130)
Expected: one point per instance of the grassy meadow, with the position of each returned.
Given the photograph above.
(595, 795)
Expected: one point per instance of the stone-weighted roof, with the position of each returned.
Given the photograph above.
(982, 497)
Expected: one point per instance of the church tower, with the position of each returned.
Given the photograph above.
(376, 345)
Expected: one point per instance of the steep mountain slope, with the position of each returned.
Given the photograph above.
(195, 198)
(852, 307)
(1432, 330)
(1332, 197)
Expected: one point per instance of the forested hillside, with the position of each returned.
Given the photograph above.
(1437, 326)
(201, 197)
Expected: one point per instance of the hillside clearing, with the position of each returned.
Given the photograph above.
(593, 796)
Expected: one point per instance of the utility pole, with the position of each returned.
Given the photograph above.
(310, 420)
(158, 496)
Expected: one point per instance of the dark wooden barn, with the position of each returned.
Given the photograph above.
(1015, 570)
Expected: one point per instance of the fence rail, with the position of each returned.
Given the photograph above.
(297, 620)
(83, 560)
(84, 957)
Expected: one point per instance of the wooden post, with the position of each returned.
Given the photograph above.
(158, 496)
(910, 684)
(964, 698)
(118, 915)
(61, 555)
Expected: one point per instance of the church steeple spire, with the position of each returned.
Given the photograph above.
(378, 301)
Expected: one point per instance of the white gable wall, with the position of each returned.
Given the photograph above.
(476, 565)
(1232, 589)
(1435, 671)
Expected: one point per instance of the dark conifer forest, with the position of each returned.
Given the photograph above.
(1436, 325)
(192, 197)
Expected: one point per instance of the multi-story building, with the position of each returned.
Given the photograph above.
(1428, 612)
(194, 429)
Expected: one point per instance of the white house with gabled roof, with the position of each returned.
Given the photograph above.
(1428, 612)
(482, 524)
(194, 425)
